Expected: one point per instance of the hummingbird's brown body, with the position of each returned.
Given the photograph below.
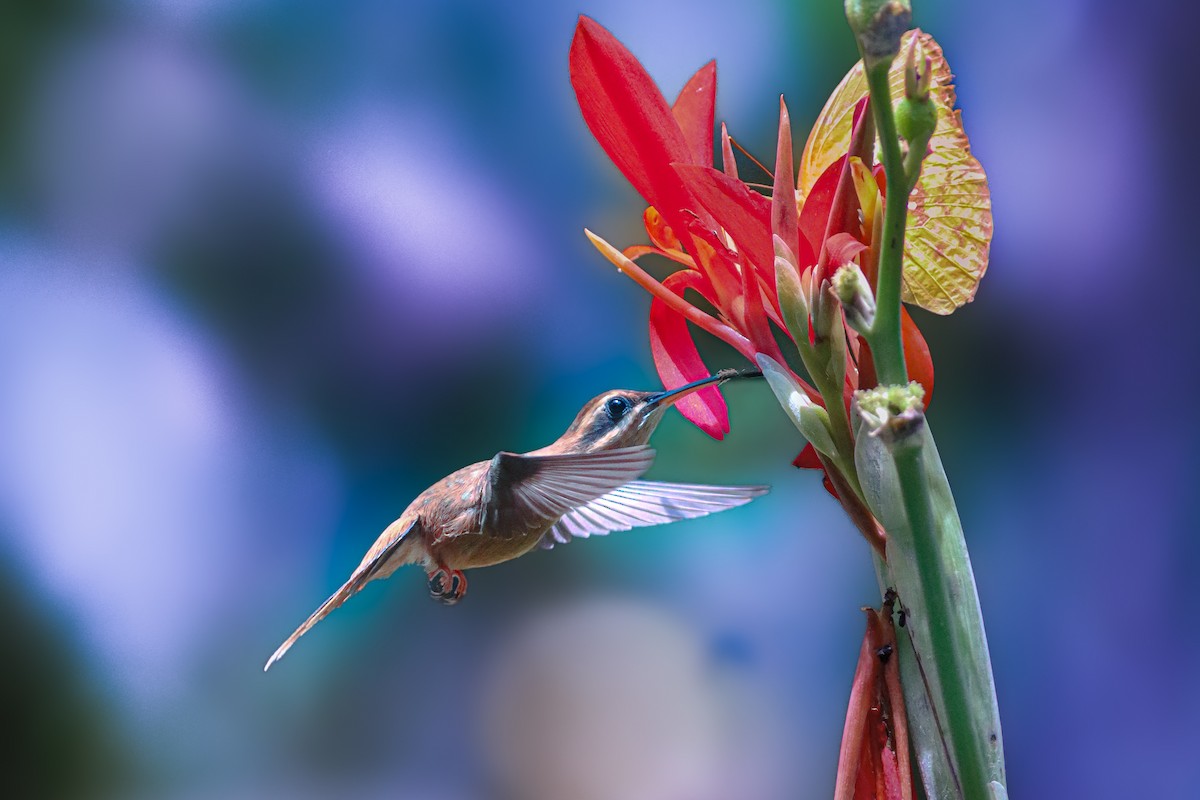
(583, 484)
(450, 526)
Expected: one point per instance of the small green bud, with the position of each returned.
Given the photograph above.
(915, 121)
(856, 297)
(825, 306)
(893, 414)
(878, 26)
(793, 301)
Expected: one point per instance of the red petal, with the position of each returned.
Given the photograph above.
(814, 216)
(842, 249)
(679, 362)
(807, 459)
(828, 484)
(784, 222)
(745, 215)
(738, 294)
(694, 111)
(880, 178)
(630, 119)
(916, 354)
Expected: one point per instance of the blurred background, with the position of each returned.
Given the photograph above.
(268, 269)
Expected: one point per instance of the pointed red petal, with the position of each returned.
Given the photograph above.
(679, 362)
(829, 487)
(784, 221)
(814, 215)
(629, 117)
(694, 111)
(807, 458)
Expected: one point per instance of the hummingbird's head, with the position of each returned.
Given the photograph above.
(624, 418)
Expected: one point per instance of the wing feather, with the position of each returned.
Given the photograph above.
(642, 503)
(524, 490)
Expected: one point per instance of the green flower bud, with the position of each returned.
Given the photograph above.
(915, 121)
(792, 298)
(858, 302)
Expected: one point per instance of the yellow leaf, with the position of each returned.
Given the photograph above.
(949, 226)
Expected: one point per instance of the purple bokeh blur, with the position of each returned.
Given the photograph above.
(268, 269)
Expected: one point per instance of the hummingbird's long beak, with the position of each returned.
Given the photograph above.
(669, 398)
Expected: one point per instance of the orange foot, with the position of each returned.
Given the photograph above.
(447, 586)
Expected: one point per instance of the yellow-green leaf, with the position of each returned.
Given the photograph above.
(949, 227)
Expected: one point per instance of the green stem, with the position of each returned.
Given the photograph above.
(887, 346)
(946, 654)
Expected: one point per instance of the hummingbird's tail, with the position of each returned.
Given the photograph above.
(348, 589)
(377, 564)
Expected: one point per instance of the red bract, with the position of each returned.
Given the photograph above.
(707, 221)
(874, 759)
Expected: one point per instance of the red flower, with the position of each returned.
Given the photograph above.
(713, 225)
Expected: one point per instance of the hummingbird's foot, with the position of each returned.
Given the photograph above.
(447, 586)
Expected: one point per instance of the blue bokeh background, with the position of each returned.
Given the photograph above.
(268, 269)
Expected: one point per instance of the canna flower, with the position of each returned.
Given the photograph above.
(720, 232)
(717, 229)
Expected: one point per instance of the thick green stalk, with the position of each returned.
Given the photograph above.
(927, 552)
(887, 346)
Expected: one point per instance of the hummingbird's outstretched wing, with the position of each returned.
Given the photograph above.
(641, 503)
(527, 491)
(366, 572)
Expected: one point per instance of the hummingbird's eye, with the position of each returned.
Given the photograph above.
(616, 407)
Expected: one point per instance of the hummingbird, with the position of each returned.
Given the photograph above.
(584, 484)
